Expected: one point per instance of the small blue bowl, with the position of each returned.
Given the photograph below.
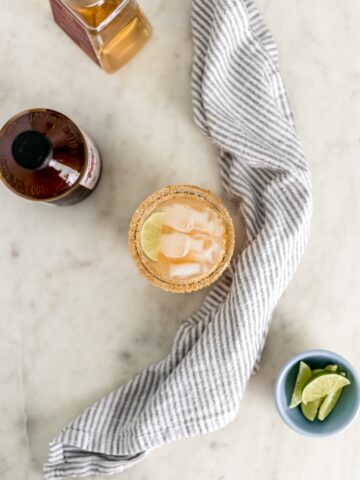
(343, 414)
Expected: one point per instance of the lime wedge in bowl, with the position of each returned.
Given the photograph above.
(310, 410)
(300, 419)
(321, 385)
(330, 401)
(331, 368)
(304, 374)
(328, 404)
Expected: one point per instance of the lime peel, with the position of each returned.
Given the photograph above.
(329, 404)
(304, 374)
(311, 409)
(331, 368)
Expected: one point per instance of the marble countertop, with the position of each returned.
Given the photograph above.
(77, 320)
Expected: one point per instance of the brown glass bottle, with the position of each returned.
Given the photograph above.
(45, 157)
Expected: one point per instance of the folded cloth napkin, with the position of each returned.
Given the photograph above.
(241, 104)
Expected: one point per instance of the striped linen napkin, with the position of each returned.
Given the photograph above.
(240, 103)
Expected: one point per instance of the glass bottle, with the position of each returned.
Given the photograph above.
(181, 238)
(45, 157)
(111, 32)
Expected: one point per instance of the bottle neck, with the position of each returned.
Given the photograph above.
(31, 150)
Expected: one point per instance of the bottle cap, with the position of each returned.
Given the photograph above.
(31, 149)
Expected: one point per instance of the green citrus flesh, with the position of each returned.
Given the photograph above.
(304, 374)
(329, 404)
(150, 235)
(321, 385)
(311, 409)
(331, 368)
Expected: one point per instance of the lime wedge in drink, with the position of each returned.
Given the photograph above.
(317, 370)
(303, 376)
(329, 404)
(311, 409)
(321, 385)
(150, 235)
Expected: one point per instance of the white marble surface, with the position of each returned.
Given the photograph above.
(76, 318)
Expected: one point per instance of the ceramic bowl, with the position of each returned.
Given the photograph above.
(343, 414)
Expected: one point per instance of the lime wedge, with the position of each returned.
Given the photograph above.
(330, 400)
(321, 385)
(329, 404)
(331, 368)
(150, 235)
(311, 409)
(303, 376)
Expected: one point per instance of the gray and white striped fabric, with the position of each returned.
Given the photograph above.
(241, 104)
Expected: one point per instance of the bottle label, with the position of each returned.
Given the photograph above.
(69, 23)
(93, 169)
(89, 178)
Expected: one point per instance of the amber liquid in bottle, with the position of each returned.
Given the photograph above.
(117, 29)
(45, 157)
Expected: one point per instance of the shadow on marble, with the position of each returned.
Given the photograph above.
(282, 343)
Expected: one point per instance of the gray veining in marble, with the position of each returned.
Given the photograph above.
(76, 318)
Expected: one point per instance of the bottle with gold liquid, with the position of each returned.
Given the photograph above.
(111, 32)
